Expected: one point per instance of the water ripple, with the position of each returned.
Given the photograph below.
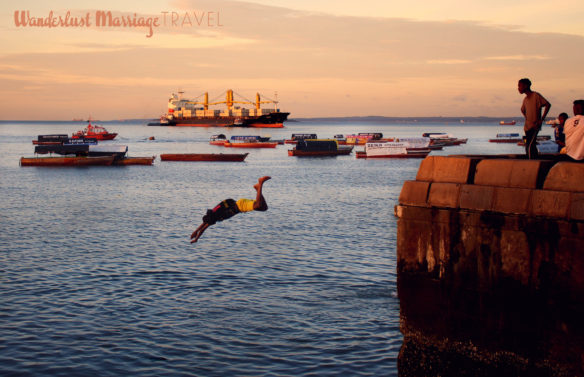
(97, 275)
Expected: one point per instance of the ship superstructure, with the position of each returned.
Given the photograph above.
(197, 112)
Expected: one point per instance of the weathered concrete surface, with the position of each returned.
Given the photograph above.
(446, 169)
(520, 173)
(565, 176)
(491, 273)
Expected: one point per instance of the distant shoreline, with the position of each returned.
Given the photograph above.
(411, 119)
(372, 119)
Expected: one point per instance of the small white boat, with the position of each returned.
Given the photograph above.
(547, 147)
(390, 149)
(506, 138)
(443, 139)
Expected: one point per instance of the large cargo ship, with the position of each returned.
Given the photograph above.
(196, 113)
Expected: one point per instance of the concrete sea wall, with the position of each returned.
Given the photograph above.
(491, 267)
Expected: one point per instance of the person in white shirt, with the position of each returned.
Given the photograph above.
(574, 131)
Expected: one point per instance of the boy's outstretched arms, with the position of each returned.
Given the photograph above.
(199, 232)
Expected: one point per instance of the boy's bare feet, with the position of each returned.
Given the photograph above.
(261, 182)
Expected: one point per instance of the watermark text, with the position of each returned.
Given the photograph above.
(109, 19)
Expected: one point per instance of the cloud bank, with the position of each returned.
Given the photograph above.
(320, 65)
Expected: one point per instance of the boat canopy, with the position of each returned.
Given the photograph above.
(507, 135)
(303, 136)
(373, 135)
(317, 145)
(437, 135)
(53, 138)
(415, 142)
(76, 149)
(82, 149)
(246, 138)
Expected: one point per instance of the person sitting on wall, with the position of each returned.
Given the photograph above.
(559, 135)
(574, 131)
(230, 207)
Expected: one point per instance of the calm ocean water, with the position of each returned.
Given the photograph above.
(97, 275)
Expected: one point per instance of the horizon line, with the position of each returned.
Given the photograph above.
(291, 119)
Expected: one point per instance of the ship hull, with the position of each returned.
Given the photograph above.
(134, 161)
(415, 154)
(272, 120)
(261, 144)
(109, 136)
(66, 161)
(300, 153)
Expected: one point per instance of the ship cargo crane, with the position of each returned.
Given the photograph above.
(230, 101)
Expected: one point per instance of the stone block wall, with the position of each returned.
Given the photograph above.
(485, 241)
(526, 213)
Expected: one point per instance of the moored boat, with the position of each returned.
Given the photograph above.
(319, 148)
(416, 143)
(218, 139)
(548, 147)
(363, 137)
(95, 132)
(161, 122)
(77, 148)
(507, 123)
(231, 157)
(389, 149)
(443, 139)
(249, 142)
(83, 149)
(506, 138)
(67, 161)
(539, 139)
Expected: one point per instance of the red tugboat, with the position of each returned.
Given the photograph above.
(94, 132)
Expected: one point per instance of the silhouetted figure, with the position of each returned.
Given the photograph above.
(559, 135)
(531, 109)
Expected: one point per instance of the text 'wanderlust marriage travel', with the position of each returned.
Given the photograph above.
(107, 19)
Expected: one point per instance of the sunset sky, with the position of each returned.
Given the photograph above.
(322, 57)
